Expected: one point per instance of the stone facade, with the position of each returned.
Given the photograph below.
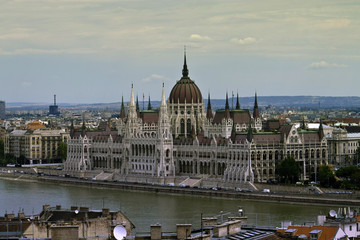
(181, 139)
(37, 146)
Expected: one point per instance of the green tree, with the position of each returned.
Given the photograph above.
(350, 177)
(62, 151)
(288, 170)
(326, 176)
(356, 158)
(2, 149)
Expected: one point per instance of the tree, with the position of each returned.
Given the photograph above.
(326, 176)
(356, 159)
(62, 151)
(350, 177)
(2, 149)
(288, 170)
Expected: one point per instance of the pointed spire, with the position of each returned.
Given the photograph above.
(163, 101)
(122, 111)
(249, 136)
(137, 103)
(132, 100)
(256, 104)
(227, 102)
(227, 108)
(237, 102)
(185, 71)
(149, 105)
(256, 109)
(209, 114)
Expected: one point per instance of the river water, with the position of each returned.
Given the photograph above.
(144, 208)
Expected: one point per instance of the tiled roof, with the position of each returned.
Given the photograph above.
(327, 232)
(149, 117)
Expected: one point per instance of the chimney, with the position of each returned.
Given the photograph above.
(45, 207)
(58, 207)
(9, 216)
(155, 232)
(73, 208)
(183, 231)
(85, 209)
(21, 215)
(105, 212)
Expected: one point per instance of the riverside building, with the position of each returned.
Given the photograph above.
(183, 138)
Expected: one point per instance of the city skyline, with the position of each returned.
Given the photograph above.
(88, 52)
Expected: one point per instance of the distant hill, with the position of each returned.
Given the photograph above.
(309, 102)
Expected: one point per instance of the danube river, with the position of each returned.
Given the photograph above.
(144, 208)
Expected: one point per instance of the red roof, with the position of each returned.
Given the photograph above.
(327, 232)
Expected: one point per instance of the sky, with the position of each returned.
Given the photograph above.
(91, 51)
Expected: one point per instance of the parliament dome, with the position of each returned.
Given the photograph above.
(185, 90)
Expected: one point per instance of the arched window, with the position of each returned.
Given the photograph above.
(188, 127)
(182, 127)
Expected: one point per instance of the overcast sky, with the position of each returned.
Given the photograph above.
(89, 51)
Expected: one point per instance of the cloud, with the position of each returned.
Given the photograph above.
(26, 84)
(25, 51)
(153, 77)
(199, 37)
(244, 41)
(16, 34)
(335, 23)
(324, 64)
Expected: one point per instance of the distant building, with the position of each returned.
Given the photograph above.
(342, 147)
(35, 125)
(2, 110)
(54, 109)
(38, 146)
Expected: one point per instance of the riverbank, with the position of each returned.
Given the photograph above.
(256, 195)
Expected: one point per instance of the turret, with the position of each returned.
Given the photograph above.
(227, 108)
(237, 102)
(122, 111)
(209, 113)
(149, 105)
(256, 108)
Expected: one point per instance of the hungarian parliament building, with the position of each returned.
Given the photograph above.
(183, 138)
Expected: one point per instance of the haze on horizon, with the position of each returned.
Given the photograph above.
(92, 51)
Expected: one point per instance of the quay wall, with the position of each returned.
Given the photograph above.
(257, 195)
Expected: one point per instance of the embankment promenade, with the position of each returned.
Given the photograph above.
(280, 196)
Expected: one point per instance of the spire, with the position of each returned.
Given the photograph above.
(237, 102)
(209, 114)
(137, 103)
(163, 101)
(256, 109)
(132, 101)
(227, 108)
(249, 136)
(256, 104)
(185, 70)
(227, 102)
(122, 111)
(149, 105)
